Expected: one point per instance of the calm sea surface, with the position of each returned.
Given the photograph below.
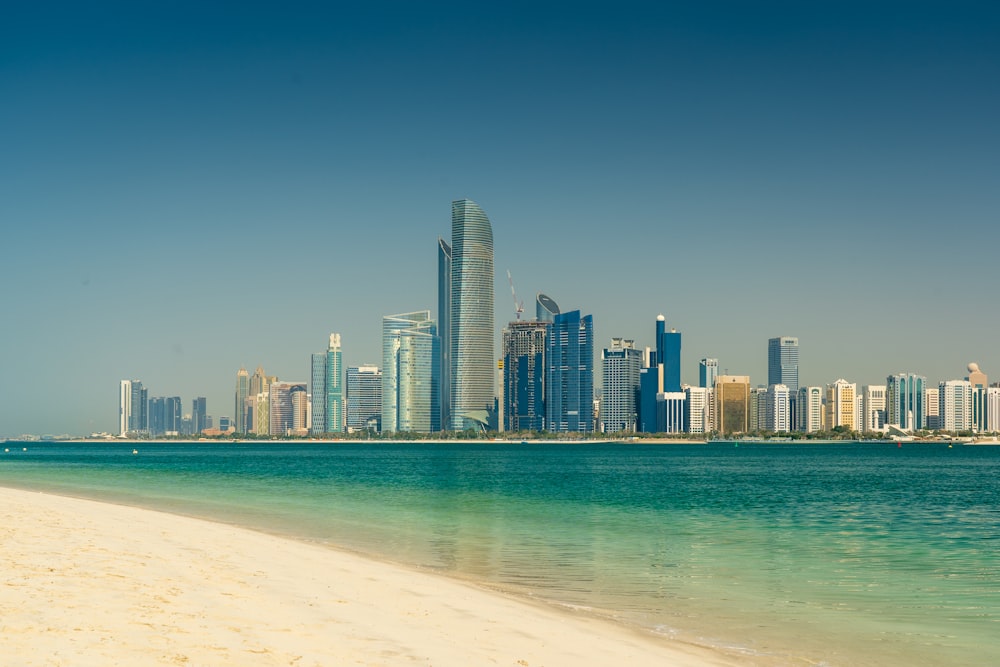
(855, 554)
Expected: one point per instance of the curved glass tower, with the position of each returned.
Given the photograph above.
(471, 317)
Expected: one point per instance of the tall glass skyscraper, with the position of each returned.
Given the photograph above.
(783, 362)
(470, 327)
(545, 308)
(620, 365)
(708, 370)
(444, 328)
(569, 374)
(411, 362)
(242, 392)
(364, 396)
(904, 401)
(328, 389)
(524, 376)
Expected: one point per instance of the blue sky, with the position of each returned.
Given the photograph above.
(185, 190)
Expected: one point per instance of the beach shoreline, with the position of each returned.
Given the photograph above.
(89, 582)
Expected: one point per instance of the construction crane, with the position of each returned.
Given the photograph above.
(518, 305)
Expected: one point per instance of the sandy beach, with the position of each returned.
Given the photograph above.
(89, 583)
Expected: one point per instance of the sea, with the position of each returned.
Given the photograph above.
(783, 554)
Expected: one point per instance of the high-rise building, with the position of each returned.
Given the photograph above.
(242, 393)
(444, 329)
(955, 405)
(840, 404)
(777, 409)
(471, 363)
(327, 389)
(668, 354)
(124, 406)
(523, 406)
(569, 374)
(671, 411)
(364, 397)
(698, 411)
(199, 414)
(979, 384)
(809, 408)
(732, 398)
(872, 416)
(992, 410)
(411, 363)
(932, 406)
(545, 308)
(286, 408)
(783, 362)
(905, 401)
(708, 370)
(620, 366)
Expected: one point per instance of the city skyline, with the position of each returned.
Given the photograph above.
(188, 193)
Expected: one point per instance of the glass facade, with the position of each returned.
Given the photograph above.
(444, 328)
(569, 382)
(364, 397)
(470, 337)
(620, 366)
(783, 362)
(240, 399)
(524, 376)
(905, 401)
(410, 366)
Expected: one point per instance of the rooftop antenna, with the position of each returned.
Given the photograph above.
(518, 305)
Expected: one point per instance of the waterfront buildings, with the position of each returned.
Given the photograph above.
(327, 389)
(840, 405)
(523, 387)
(240, 400)
(364, 397)
(809, 409)
(932, 407)
(124, 406)
(905, 401)
(199, 414)
(668, 354)
(569, 381)
(777, 409)
(287, 408)
(620, 366)
(708, 370)
(732, 398)
(872, 415)
(411, 365)
(698, 409)
(470, 362)
(979, 384)
(955, 405)
(783, 362)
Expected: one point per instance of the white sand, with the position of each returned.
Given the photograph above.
(88, 583)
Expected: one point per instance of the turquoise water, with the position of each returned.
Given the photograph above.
(856, 554)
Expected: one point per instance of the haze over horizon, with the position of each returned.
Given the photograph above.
(188, 190)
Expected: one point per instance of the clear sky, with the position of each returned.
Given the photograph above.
(185, 190)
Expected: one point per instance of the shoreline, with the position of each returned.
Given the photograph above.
(88, 579)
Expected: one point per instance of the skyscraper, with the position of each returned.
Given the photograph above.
(286, 408)
(569, 374)
(411, 363)
(668, 353)
(905, 401)
(133, 411)
(732, 398)
(955, 405)
(327, 389)
(523, 406)
(708, 370)
(199, 414)
(364, 396)
(444, 329)
(809, 407)
(545, 308)
(783, 362)
(841, 405)
(620, 366)
(471, 365)
(124, 406)
(242, 392)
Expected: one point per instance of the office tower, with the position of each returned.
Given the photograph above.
(286, 408)
(932, 414)
(668, 355)
(199, 414)
(992, 410)
(523, 407)
(671, 412)
(240, 399)
(444, 330)
(545, 308)
(732, 399)
(327, 389)
(650, 383)
(809, 409)
(871, 417)
(905, 401)
(157, 409)
(955, 405)
(979, 384)
(840, 404)
(620, 366)
(783, 362)
(698, 411)
(569, 373)
(261, 412)
(364, 397)
(755, 413)
(777, 409)
(708, 370)
(410, 365)
(471, 363)
(124, 406)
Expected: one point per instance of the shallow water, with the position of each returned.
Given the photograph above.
(856, 554)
